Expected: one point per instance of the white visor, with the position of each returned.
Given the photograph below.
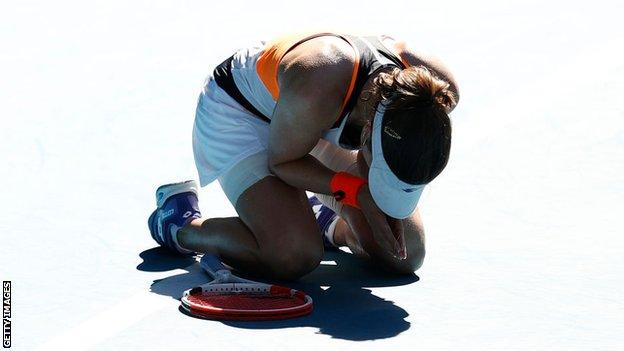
(394, 197)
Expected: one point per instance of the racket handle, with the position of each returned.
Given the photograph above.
(212, 265)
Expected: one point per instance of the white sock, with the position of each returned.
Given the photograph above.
(174, 238)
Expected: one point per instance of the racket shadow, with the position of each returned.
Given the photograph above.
(343, 306)
(158, 259)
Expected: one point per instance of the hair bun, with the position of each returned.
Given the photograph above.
(416, 86)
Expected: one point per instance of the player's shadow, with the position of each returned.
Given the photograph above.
(344, 307)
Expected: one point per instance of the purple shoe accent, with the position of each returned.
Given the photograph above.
(177, 210)
(324, 218)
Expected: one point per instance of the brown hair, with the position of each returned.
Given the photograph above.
(416, 130)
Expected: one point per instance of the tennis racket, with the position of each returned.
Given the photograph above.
(228, 297)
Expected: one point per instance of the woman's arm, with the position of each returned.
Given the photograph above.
(313, 80)
(312, 88)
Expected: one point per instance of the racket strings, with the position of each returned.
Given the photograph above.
(235, 290)
(245, 302)
(256, 294)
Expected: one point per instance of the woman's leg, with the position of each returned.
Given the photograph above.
(352, 229)
(354, 232)
(275, 235)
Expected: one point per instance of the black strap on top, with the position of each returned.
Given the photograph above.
(224, 79)
(384, 51)
(368, 65)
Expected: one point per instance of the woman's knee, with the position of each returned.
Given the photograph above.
(409, 265)
(416, 258)
(414, 234)
(415, 243)
(294, 259)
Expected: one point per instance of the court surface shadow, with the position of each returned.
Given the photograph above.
(344, 307)
(158, 259)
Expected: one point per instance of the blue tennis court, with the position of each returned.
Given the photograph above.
(523, 229)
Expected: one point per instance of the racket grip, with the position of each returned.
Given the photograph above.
(212, 264)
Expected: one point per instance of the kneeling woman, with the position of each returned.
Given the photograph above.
(360, 121)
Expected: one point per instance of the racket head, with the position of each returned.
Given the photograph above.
(245, 301)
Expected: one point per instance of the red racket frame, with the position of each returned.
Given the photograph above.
(250, 290)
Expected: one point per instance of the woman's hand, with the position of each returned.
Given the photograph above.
(396, 225)
(387, 232)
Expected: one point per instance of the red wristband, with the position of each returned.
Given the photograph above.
(345, 187)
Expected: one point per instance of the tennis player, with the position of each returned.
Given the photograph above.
(362, 122)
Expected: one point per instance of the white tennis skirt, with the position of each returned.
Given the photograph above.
(230, 144)
(224, 133)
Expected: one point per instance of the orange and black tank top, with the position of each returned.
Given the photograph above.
(250, 75)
